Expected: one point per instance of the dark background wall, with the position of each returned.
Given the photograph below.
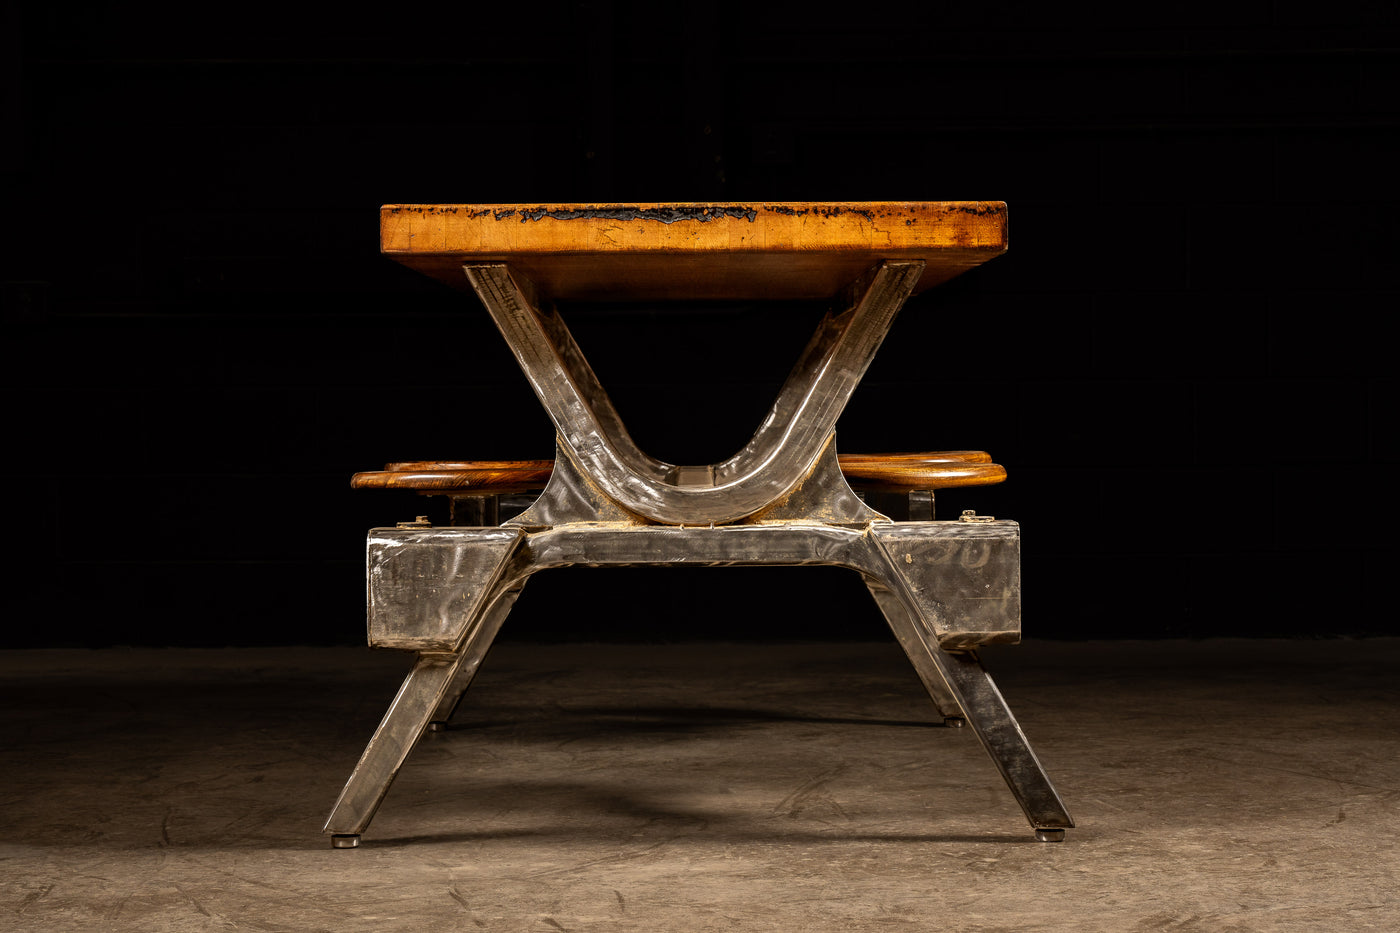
(1184, 360)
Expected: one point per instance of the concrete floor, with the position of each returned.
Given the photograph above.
(1218, 786)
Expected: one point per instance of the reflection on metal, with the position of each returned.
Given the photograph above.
(398, 732)
(926, 577)
(781, 451)
(944, 587)
(422, 597)
(964, 578)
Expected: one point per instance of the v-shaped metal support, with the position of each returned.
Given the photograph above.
(782, 450)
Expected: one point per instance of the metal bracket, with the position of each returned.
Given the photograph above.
(426, 586)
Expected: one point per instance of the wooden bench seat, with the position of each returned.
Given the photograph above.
(884, 472)
(901, 483)
(459, 477)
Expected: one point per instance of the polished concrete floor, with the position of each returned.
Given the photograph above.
(1217, 786)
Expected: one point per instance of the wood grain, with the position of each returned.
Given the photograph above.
(486, 477)
(900, 475)
(887, 472)
(786, 250)
(929, 456)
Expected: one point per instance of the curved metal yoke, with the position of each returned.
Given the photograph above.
(595, 449)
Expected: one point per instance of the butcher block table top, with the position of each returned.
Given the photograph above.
(773, 250)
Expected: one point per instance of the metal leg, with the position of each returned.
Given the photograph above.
(902, 626)
(420, 697)
(957, 677)
(473, 654)
(398, 732)
(1004, 741)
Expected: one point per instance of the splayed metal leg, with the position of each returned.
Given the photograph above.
(1000, 734)
(943, 586)
(423, 694)
(955, 679)
(474, 654)
(396, 736)
(903, 628)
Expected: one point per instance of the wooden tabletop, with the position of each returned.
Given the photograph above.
(694, 251)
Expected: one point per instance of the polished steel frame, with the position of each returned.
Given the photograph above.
(944, 587)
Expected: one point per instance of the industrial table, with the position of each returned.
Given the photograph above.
(945, 587)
